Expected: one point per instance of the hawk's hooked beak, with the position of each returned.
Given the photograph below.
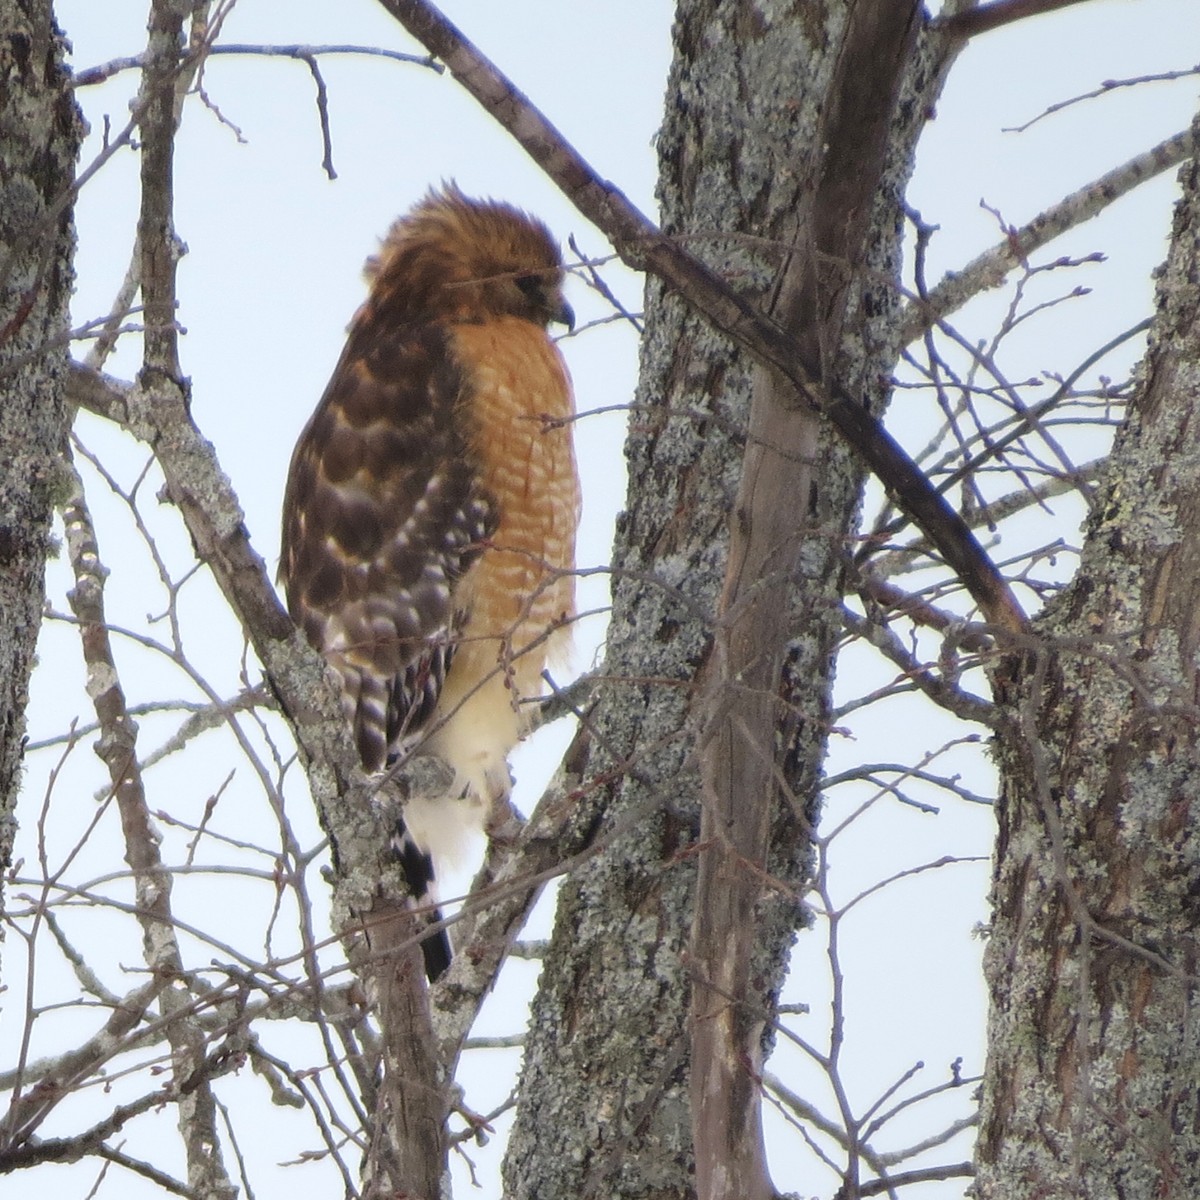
(563, 314)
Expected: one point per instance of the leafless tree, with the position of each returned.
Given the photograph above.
(695, 817)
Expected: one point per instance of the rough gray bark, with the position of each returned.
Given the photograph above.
(604, 1107)
(1094, 1045)
(745, 704)
(39, 139)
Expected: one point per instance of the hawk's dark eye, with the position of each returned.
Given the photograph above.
(531, 286)
(541, 291)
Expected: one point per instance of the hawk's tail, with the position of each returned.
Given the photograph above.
(417, 865)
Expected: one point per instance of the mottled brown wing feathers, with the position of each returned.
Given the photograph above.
(384, 512)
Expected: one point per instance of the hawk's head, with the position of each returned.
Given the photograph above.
(455, 258)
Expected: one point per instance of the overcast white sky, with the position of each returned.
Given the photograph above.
(272, 275)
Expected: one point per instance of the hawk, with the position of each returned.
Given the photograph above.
(432, 502)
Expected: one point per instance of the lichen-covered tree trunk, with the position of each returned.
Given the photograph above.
(39, 139)
(604, 1107)
(1093, 1076)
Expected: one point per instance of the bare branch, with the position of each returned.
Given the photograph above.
(98, 74)
(990, 268)
(34, 1152)
(897, 561)
(596, 282)
(870, 772)
(888, 1183)
(159, 246)
(1109, 85)
(136, 1166)
(85, 1060)
(322, 115)
(964, 704)
(992, 16)
(1026, 421)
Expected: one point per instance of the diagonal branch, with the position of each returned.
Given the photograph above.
(987, 17)
(992, 266)
(643, 246)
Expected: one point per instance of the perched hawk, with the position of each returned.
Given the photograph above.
(432, 501)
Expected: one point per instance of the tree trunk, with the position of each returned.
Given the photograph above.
(746, 703)
(1094, 1040)
(39, 139)
(604, 1106)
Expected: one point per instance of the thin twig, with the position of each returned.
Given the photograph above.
(98, 74)
(1109, 85)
